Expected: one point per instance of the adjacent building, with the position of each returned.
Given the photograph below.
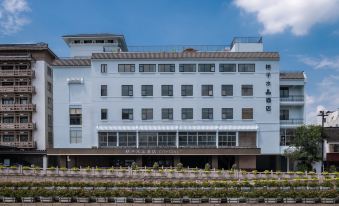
(26, 103)
(114, 105)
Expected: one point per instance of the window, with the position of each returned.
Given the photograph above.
(103, 114)
(147, 68)
(206, 90)
(49, 87)
(111, 41)
(127, 114)
(167, 139)
(75, 136)
(284, 114)
(187, 68)
(167, 113)
(246, 90)
(103, 91)
(166, 67)
(146, 114)
(126, 67)
(227, 139)
(107, 139)
(187, 113)
(100, 41)
(268, 66)
(8, 119)
(75, 116)
(8, 100)
(126, 90)
(147, 139)
(226, 90)
(103, 68)
(206, 67)
(23, 100)
(247, 113)
(227, 67)
(227, 113)
(24, 119)
(76, 41)
(166, 90)
(286, 136)
(127, 139)
(146, 90)
(8, 138)
(206, 139)
(284, 92)
(246, 67)
(87, 41)
(207, 113)
(186, 90)
(188, 139)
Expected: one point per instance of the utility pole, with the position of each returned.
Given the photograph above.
(323, 114)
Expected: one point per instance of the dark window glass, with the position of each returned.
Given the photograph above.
(103, 114)
(246, 67)
(127, 139)
(103, 68)
(284, 114)
(227, 139)
(207, 113)
(246, 90)
(127, 114)
(126, 90)
(186, 90)
(227, 113)
(166, 67)
(206, 67)
(147, 68)
(126, 67)
(167, 113)
(147, 114)
(227, 67)
(103, 91)
(247, 113)
(75, 116)
(226, 90)
(206, 90)
(187, 113)
(166, 90)
(146, 90)
(187, 68)
(284, 92)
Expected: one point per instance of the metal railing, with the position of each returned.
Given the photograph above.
(291, 121)
(18, 126)
(17, 107)
(178, 48)
(17, 73)
(9, 89)
(30, 144)
(293, 98)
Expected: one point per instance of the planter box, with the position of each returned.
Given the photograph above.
(82, 199)
(101, 199)
(328, 200)
(158, 200)
(290, 200)
(214, 200)
(27, 199)
(233, 200)
(120, 199)
(272, 188)
(46, 199)
(99, 188)
(9, 199)
(74, 188)
(138, 200)
(252, 200)
(325, 188)
(23, 188)
(89, 188)
(285, 188)
(49, 188)
(176, 200)
(65, 199)
(195, 200)
(300, 188)
(312, 188)
(271, 200)
(61, 188)
(309, 200)
(245, 188)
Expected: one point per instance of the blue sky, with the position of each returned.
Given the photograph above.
(306, 37)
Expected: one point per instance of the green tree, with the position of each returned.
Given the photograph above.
(306, 147)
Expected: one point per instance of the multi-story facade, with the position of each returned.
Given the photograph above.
(113, 106)
(26, 106)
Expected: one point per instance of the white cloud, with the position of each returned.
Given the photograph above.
(12, 17)
(297, 15)
(321, 62)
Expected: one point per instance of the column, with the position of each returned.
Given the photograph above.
(44, 162)
(217, 139)
(118, 139)
(177, 138)
(214, 162)
(137, 138)
(237, 139)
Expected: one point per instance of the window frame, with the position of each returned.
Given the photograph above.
(127, 111)
(246, 67)
(192, 67)
(147, 114)
(222, 68)
(167, 89)
(169, 67)
(245, 88)
(209, 88)
(205, 68)
(104, 114)
(225, 92)
(129, 90)
(167, 113)
(145, 89)
(150, 68)
(103, 90)
(227, 111)
(207, 113)
(126, 68)
(245, 111)
(103, 68)
(187, 113)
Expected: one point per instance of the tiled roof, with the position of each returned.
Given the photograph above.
(38, 46)
(188, 55)
(72, 62)
(292, 75)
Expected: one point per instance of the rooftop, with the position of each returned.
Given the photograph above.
(104, 35)
(292, 75)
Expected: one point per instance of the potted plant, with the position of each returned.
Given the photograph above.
(9, 199)
(309, 197)
(120, 199)
(27, 199)
(328, 197)
(64, 196)
(289, 197)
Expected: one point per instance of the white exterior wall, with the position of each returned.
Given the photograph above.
(89, 96)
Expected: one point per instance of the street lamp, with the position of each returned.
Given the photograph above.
(323, 114)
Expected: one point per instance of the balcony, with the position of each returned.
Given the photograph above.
(17, 73)
(294, 122)
(292, 100)
(17, 126)
(17, 107)
(17, 89)
(21, 145)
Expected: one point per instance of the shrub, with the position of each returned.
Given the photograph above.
(26, 168)
(75, 169)
(207, 167)
(179, 166)
(13, 167)
(155, 166)
(51, 168)
(332, 169)
(98, 169)
(134, 166)
(255, 172)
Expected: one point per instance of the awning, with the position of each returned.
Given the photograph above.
(177, 127)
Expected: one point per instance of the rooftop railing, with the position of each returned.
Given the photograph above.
(293, 98)
(179, 48)
(292, 121)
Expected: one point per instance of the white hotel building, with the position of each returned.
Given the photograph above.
(115, 106)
